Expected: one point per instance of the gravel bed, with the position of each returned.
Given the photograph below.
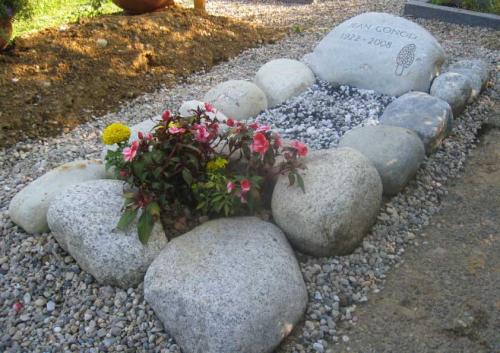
(322, 114)
(65, 310)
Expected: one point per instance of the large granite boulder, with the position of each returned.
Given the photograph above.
(378, 51)
(28, 208)
(229, 285)
(237, 99)
(83, 220)
(476, 70)
(453, 88)
(282, 79)
(430, 117)
(396, 153)
(343, 194)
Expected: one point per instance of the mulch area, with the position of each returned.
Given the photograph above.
(59, 78)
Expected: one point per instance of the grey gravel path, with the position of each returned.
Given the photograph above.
(63, 309)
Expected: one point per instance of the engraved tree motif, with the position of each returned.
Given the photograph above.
(405, 58)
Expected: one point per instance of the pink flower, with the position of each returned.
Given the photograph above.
(260, 143)
(300, 147)
(243, 197)
(209, 107)
(166, 115)
(149, 136)
(230, 187)
(263, 128)
(140, 135)
(230, 122)
(176, 130)
(245, 186)
(202, 134)
(130, 152)
(123, 173)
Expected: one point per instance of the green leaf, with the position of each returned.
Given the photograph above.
(300, 181)
(291, 178)
(145, 226)
(154, 209)
(127, 217)
(186, 175)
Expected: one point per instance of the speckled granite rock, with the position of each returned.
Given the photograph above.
(83, 219)
(343, 194)
(229, 285)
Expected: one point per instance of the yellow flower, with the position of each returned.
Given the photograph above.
(218, 163)
(115, 133)
(172, 124)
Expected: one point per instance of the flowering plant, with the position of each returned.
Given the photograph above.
(217, 167)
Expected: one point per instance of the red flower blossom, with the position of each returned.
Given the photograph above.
(166, 115)
(260, 143)
(300, 147)
(254, 126)
(17, 306)
(230, 187)
(245, 186)
(230, 122)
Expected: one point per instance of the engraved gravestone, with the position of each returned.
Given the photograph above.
(378, 51)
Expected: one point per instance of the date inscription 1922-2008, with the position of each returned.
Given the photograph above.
(370, 41)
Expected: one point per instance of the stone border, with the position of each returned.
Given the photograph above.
(424, 9)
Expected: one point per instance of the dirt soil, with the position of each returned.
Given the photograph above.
(445, 297)
(58, 78)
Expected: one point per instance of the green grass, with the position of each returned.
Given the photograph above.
(492, 6)
(54, 13)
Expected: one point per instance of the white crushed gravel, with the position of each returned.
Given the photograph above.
(65, 310)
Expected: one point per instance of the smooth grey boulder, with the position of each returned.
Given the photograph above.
(229, 285)
(453, 88)
(380, 52)
(343, 194)
(237, 99)
(83, 220)
(477, 66)
(430, 117)
(282, 79)
(395, 152)
(28, 208)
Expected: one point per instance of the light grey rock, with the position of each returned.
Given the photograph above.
(83, 220)
(229, 285)
(378, 51)
(453, 88)
(396, 153)
(282, 79)
(237, 99)
(28, 208)
(430, 117)
(476, 70)
(343, 194)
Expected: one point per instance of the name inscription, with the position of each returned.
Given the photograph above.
(384, 29)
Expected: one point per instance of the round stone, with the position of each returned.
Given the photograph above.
(282, 79)
(237, 99)
(453, 88)
(343, 194)
(395, 152)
